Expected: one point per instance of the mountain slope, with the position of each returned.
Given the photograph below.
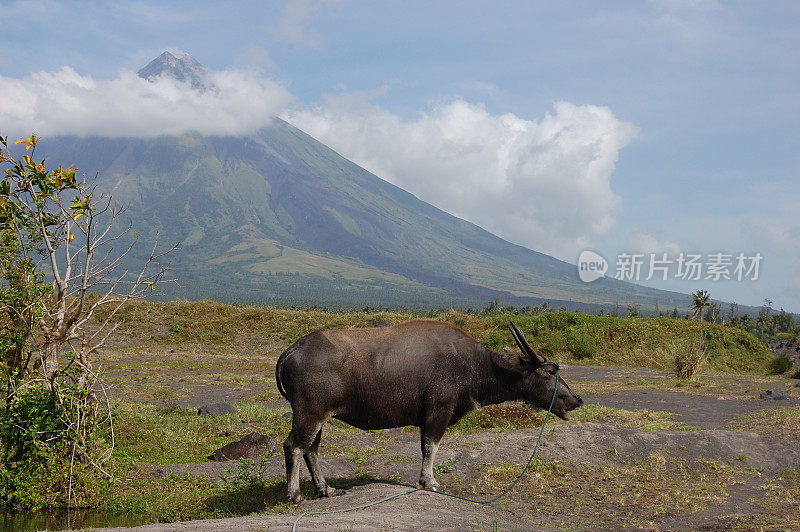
(278, 216)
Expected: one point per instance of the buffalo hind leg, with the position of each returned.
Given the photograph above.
(310, 456)
(431, 435)
(301, 438)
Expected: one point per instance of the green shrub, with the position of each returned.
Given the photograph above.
(780, 365)
(36, 446)
(581, 344)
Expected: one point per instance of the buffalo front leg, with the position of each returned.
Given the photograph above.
(299, 441)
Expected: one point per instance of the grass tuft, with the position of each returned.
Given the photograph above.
(688, 359)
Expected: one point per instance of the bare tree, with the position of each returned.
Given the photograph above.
(65, 277)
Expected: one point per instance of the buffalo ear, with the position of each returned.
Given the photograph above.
(510, 359)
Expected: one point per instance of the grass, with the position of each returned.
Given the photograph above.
(638, 419)
(498, 418)
(169, 498)
(568, 337)
(634, 493)
(448, 466)
(688, 359)
(714, 384)
(781, 504)
(359, 455)
(514, 416)
(781, 422)
(148, 434)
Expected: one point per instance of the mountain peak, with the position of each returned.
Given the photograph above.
(185, 69)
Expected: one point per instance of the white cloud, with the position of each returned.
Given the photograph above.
(642, 241)
(294, 25)
(544, 184)
(64, 102)
(779, 237)
(255, 57)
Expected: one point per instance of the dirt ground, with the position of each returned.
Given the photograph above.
(710, 468)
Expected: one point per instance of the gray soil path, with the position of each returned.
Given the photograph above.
(701, 411)
(697, 410)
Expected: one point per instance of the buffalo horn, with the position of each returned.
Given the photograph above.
(523, 344)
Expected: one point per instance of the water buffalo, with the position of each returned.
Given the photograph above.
(422, 373)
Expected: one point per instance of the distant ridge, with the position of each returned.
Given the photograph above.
(185, 69)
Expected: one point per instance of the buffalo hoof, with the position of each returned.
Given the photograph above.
(329, 492)
(295, 497)
(437, 488)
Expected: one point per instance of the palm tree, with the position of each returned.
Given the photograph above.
(700, 300)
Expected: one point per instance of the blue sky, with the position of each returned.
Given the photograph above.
(661, 126)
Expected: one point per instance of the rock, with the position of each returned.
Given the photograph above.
(383, 323)
(216, 409)
(287, 415)
(726, 398)
(773, 395)
(251, 446)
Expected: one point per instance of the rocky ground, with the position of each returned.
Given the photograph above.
(665, 455)
(789, 348)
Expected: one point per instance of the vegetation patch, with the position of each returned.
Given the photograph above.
(689, 359)
(780, 505)
(501, 417)
(636, 494)
(636, 419)
(780, 365)
(781, 422)
(515, 415)
(148, 434)
(170, 498)
(567, 337)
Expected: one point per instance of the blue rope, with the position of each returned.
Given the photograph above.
(453, 495)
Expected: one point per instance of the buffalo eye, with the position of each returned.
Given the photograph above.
(551, 371)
